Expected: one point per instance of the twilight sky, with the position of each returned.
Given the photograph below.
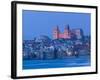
(36, 23)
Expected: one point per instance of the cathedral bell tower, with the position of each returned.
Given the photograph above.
(56, 32)
(67, 32)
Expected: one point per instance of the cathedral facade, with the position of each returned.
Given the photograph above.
(68, 33)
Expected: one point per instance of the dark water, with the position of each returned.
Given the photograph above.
(57, 63)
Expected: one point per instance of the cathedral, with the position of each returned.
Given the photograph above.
(68, 33)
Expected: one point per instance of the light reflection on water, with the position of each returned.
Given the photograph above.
(57, 63)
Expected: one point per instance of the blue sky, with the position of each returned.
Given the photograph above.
(36, 23)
